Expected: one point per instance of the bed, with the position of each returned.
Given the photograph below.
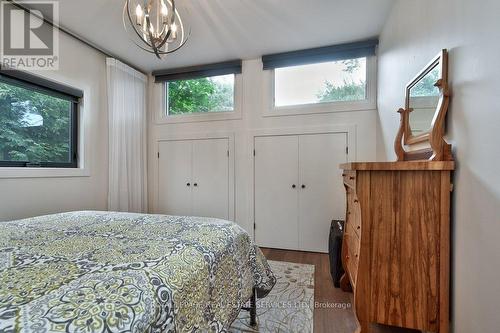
(122, 272)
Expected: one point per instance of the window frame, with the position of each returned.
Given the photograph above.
(49, 88)
(369, 103)
(164, 118)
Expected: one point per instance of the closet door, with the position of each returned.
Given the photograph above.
(276, 192)
(322, 195)
(211, 178)
(174, 178)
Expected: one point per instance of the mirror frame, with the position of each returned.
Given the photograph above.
(439, 61)
(439, 150)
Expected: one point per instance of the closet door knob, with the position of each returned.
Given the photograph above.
(195, 184)
(303, 186)
(188, 184)
(294, 186)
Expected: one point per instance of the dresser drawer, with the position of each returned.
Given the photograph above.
(355, 216)
(349, 178)
(352, 268)
(353, 212)
(352, 258)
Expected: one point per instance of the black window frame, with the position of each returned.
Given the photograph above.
(41, 85)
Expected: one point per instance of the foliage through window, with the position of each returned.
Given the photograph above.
(37, 128)
(335, 81)
(427, 86)
(203, 95)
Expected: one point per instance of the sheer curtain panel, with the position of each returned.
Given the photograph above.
(127, 89)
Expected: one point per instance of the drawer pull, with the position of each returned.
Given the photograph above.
(343, 175)
(359, 227)
(356, 200)
(352, 178)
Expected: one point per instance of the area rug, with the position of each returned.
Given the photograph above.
(289, 306)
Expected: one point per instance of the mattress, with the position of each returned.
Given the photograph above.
(122, 272)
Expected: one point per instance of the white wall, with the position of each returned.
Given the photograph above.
(413, 34)
(83, 68)
(252, 119)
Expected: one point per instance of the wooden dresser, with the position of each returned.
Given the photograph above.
(396, 249)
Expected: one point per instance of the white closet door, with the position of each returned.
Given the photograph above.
(276, 201)
(211, 178)
(321, 190)
(174, 178)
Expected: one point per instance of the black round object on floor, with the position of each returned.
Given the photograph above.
(335, 251)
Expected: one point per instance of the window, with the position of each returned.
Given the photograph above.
(335, 78)
(202, 92)
(326, 82)
(201, 95)
(38, 124)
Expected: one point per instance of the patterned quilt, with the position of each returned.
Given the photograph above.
(120, 272)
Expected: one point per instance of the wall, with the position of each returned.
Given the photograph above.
(415, 32)
(83, 68)
(254, 92)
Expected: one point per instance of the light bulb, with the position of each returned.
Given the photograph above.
(164, 9)
(138, 14)
(173, 27)
(145, 28)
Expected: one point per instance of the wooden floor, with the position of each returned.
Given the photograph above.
(339, 317)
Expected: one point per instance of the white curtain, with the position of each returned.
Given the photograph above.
(127, 137)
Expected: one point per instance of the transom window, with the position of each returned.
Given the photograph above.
(326, 82)
(38, 126)
(201, 95)
(335, 78)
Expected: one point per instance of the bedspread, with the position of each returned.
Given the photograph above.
(121, 272)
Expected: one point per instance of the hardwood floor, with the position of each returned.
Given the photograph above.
(338, 317)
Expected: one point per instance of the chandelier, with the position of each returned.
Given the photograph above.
(154, 25)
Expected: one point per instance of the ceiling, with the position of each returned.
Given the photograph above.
(231, 29)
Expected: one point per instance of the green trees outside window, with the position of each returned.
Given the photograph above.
(337, 81)
(350, 90)
(34, 127)
(212, 94)
(324, 82)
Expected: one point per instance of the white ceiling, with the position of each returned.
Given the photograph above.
(231, 29)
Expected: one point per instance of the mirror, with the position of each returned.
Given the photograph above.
(422, 126)
(423, 102)
(423, 96)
